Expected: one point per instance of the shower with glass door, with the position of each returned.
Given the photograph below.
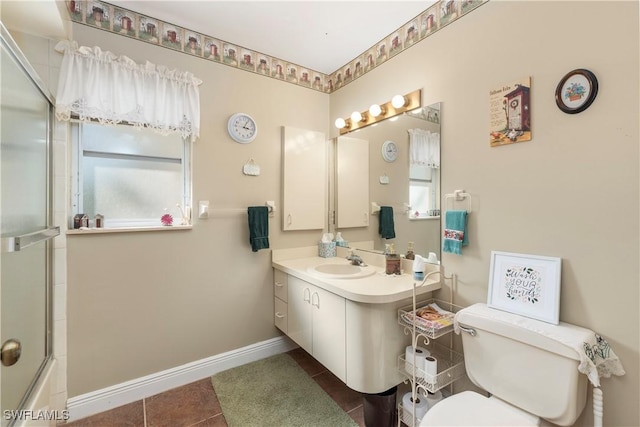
(26, 230)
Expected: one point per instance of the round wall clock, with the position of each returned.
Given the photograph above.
(576, 91)
(389, 151)
(242, 128)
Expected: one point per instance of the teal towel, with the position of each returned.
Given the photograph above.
(455, 232)
(258, 227)
(386, 227)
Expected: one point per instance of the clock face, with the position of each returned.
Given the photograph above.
(389, 151)
(242, 128)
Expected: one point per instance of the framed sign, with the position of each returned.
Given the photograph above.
(528, 285)
(510, 113)
(576, 91)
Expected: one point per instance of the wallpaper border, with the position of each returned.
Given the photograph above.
(124, 22)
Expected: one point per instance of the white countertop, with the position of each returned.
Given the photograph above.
(378, 288)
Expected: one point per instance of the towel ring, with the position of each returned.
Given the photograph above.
(458, 196)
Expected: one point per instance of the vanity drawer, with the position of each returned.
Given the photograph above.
(280, 315)
(280, 279)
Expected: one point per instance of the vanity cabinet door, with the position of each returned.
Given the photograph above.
(329, 331)
(304, 179)
(352, 182)
(299, 313)
(316, 322)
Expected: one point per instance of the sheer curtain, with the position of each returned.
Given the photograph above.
(99, 85)
(424, 148)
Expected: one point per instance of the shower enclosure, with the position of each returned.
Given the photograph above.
(26, 230)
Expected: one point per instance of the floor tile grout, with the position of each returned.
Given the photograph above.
(319, 373)
(355, 409)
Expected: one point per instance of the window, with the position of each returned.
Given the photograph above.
(423, 184)
(130, 176)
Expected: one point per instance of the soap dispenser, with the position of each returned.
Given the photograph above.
(392, 260)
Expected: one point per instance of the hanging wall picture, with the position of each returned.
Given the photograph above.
(528, 285)
(510, 113)
(576, 91)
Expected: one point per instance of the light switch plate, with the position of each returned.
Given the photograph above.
(203, 209)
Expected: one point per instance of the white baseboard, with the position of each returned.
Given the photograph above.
(134, 390)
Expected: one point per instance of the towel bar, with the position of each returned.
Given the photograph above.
(269, 204)
(375, 208)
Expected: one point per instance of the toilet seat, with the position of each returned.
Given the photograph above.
(473, 409)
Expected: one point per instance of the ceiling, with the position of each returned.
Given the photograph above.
(39, 17)
(320, 35)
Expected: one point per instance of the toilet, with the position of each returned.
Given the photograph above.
(529, 376)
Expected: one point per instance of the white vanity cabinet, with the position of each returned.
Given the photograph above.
(316, 322)
(348, 325)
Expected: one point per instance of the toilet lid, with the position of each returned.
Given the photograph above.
(472, 409)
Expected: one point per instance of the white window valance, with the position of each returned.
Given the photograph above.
(99, 85)
(424, 148)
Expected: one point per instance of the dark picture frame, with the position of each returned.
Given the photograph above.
(576, 91)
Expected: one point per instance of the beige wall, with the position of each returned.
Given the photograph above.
(139, 303)
(572, 191)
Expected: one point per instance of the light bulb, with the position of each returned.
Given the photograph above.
(375, 110)
(398, 101)
(340, 123)
(356, 117)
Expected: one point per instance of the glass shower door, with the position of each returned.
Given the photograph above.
(25, 118)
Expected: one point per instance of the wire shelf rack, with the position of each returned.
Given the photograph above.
(450, 368)
(406, 417)
(429, 328)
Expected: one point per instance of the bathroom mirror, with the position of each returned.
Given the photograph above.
(396, 183)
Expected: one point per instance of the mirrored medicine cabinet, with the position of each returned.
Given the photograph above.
(359, 175)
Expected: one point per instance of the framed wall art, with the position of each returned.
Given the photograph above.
(528, 285)
(510, 113)
(576, 91)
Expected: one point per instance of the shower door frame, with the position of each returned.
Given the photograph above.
(23, 64)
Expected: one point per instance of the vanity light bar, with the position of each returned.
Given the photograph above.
(412, 101)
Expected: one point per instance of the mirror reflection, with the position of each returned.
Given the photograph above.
(403, 170)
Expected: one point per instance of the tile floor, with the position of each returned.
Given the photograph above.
(196, 404)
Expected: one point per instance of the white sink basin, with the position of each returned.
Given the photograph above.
(341, 271)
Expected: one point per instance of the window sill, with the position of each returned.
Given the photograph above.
(128, 229)
(420, 218)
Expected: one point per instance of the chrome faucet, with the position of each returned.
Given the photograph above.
(355, 259)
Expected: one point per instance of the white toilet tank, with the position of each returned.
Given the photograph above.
(531, 371)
